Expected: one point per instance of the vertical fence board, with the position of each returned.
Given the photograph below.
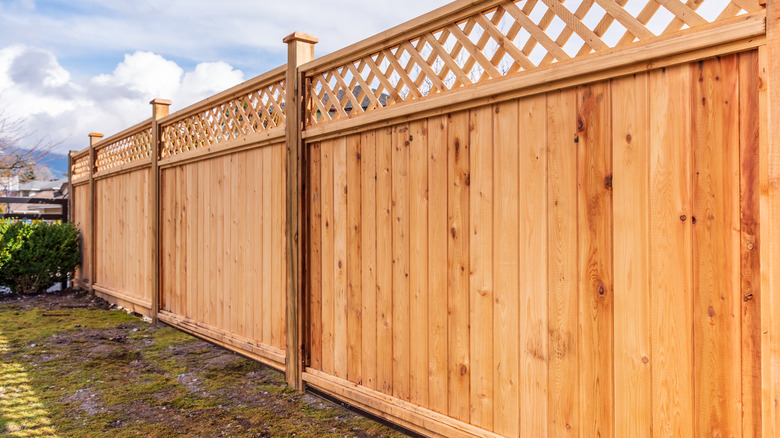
(564, 383)
(506, 335)
(353, 261)
(177, 244)
(418, 264)
(458, 265)
(716, 239)
(223, 239)
(481, 266)
(276, 218)
(166, 244)
(147, 228)
(368, 263)
(340, 257)
(384, 260)
(245, 230)
(213, 238)
(191, 264)
(594, 175)
(314, 262)
(199, 297)
(750, 270)
(328, 264)
(438, 232)
(670, 258)
(631, 180)
(532, 281)
(233, 295)
(279, 314)
(400, 245)
(253, 238)
(268, 255)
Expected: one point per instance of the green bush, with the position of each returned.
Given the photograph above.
(35, 256)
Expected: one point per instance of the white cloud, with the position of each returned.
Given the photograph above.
(245, 34)
(36, 88)
(208, 78)
(146, 73)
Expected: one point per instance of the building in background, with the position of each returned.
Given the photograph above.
(55, 188)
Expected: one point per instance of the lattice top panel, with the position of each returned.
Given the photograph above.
(516, 36)
(251, 112)
(125, 150)
(80, 167)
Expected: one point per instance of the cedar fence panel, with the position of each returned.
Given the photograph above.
(498, 219)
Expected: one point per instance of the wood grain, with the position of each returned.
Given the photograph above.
(401, 266)
(716, 242)
(384, 260)
(438, 237)
(750, 246)
(353, 261)
(631, 218)
(314, 263)
(671, 254)
(368, 246)
(418, 263)
(563, 340)
(506, 252)
(532, 222)
(458, 177)
(480, 246)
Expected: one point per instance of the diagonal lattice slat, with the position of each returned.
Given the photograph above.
(126, 150)
(80, 167)
(513, 37)
(251, 112)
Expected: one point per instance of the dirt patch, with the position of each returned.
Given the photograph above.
(94, 371)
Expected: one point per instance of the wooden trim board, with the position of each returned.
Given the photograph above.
(266, 354)
(413, 417)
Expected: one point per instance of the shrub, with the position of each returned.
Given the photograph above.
(35, 256)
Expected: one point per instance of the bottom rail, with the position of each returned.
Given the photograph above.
(273, 357)
(415, 418)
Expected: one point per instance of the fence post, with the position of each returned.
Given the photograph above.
(769, 247)
(94, 138)
(160, 109)
(300, 49)
(69, 217)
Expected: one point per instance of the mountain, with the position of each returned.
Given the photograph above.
(58, 163)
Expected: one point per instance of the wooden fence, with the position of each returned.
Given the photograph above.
(499, 219)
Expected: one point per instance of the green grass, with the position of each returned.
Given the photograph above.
(91, 372)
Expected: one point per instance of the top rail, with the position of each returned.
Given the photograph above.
(469, 43)
(254, 106)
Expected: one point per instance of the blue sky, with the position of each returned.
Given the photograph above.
(72, 67)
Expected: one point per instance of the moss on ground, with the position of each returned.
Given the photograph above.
(84, 370)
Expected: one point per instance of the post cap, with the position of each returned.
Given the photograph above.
(95, 134)
(300, 36)
(159, 101)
